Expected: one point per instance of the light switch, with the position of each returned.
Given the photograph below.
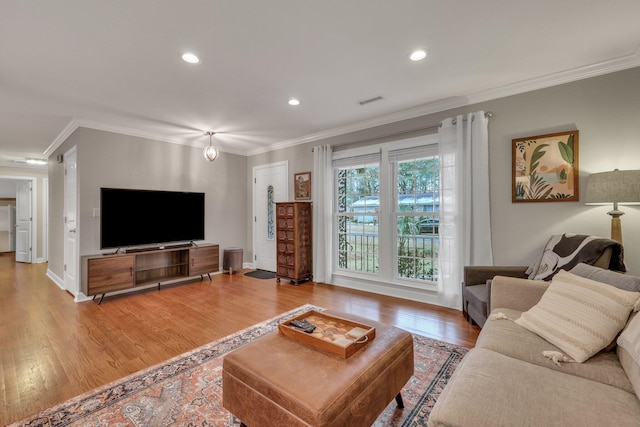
(96, 212)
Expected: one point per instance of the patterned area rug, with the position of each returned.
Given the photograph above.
(187, 390)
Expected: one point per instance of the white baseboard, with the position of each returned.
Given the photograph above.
(57, 280)
(82, 297)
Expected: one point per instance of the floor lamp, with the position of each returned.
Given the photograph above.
(614, 187)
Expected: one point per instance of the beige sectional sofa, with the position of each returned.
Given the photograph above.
(507, 381)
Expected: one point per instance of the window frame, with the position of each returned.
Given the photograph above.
(396, 156)
(387, 231)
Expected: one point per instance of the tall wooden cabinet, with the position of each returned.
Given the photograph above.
(293, 236)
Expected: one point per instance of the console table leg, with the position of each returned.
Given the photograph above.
(158, 286)
(101, 298)
(209, 274)
(399, 401)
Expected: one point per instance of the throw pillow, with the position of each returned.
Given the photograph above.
(613, 278)
(629, 340)
(579, 316)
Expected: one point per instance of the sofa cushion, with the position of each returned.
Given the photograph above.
(613, 278)
(629, 351)
(578, 315)
(491, 389)
(476, 298)
(511, 339)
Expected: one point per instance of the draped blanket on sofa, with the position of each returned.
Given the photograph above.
(565, 251)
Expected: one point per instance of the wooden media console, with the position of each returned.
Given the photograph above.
(116, 272)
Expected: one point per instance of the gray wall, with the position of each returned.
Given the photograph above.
(108, 159)
(606, 111)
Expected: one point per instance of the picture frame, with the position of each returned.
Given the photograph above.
(302, 185)
(545, 168)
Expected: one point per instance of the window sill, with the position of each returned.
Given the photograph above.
(369, 283)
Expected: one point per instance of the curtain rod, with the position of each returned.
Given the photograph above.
(488, 115)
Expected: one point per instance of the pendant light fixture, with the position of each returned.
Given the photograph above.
(210, 152)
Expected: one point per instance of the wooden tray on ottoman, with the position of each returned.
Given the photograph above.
(331, 333)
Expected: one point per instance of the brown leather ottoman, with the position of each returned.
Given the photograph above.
(277, 381)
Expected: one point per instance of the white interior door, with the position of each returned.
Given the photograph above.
(71, 283)
(23, 221)
(270, 186)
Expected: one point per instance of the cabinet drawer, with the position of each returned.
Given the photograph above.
(286, 247)
(285, 223)
(285, 271)
(285, 210)
(285, 259)
(285, 234)
(109, 274)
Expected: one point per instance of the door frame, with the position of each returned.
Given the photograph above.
(284, 163)
(45, 221)
(34, 212)
(75, 292)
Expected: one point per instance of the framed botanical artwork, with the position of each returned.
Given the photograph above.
(302, 185)
(545, 168)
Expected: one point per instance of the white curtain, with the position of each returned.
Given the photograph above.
(465, 226)
(322, 193)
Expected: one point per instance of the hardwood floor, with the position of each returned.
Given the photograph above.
(52, 349)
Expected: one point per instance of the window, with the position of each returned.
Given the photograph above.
(416, 213)
(357, 205)
(387, 212)
(270, 214)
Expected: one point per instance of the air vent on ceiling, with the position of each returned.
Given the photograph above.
(370, 100)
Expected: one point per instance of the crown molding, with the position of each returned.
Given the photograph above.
(567, 76)
(90, 124)
(575, 74)
(430, 108)
(62, 136)
(106, 127)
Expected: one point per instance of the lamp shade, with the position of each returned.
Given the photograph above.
(613, 187)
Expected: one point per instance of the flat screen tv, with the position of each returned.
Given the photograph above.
(131, 217)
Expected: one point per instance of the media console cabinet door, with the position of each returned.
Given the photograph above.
(108, 274)
(204, 259)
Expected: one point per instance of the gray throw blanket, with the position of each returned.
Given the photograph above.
(564, 251)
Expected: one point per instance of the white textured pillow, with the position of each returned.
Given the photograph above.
(629, 343)
(579, 316)
(629, 339)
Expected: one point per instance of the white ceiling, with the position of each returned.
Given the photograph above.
(115, 65)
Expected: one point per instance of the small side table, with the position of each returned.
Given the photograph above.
(232, 260)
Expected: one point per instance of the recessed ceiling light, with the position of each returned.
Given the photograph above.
(294, 101)
(418, 55)
(190, 58)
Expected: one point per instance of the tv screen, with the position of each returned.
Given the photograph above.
(142, 217)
